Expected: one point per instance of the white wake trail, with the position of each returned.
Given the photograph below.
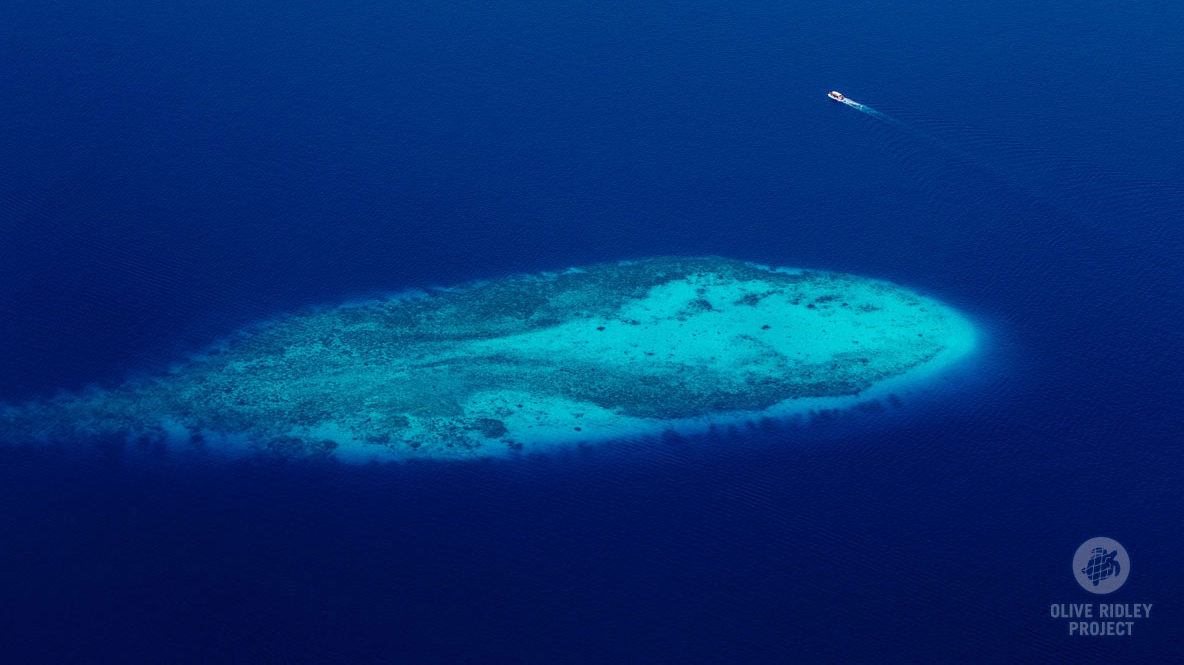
(900, 124)
(864, 108)
(1037, 188)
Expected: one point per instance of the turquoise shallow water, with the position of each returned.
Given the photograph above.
(520, 365)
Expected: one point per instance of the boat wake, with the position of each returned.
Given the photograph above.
(864, 108)
(1083, 196)
(885, 118)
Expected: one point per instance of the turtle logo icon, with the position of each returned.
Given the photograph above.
(1101, 565)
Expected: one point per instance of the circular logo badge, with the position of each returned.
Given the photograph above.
(1101, 565)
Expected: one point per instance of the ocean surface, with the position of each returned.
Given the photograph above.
(173, 172)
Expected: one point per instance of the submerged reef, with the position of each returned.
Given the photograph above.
(523, 362)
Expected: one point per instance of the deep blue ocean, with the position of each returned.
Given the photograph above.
(173, 171)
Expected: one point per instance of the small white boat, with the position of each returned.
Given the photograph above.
(836, 95)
